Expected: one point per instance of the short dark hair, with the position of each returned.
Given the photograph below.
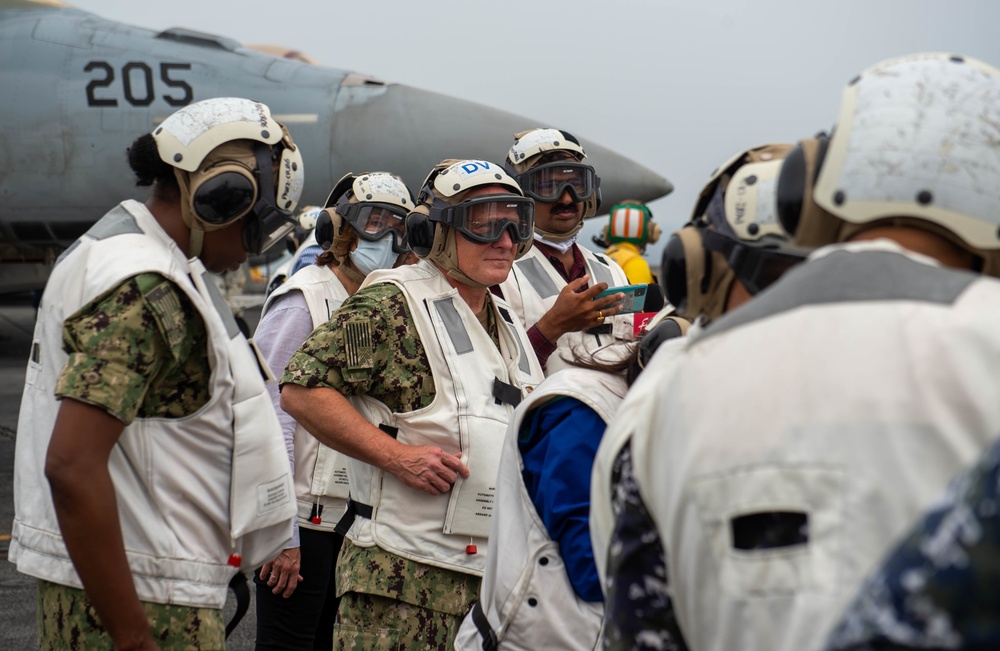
(144, 159)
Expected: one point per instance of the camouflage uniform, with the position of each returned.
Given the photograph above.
(638, 613)
(387, 602)
(138, 351)
(940, 588)
(67, 620)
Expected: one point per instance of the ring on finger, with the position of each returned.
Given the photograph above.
(600, 315)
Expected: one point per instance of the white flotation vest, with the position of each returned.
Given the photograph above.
(321, 484)
(840, 402)
(533, 287)
(526, 601)
(196, 495)
(476, 389)
(619, 433)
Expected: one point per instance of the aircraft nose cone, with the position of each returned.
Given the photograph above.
(376, 124)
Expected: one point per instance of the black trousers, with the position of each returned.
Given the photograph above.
(305, 620)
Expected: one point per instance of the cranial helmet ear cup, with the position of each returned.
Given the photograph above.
(799, 172)
(791, 189)
(674, 279)
(325, 229)
(593, 204)
(420, 233)
(653, 231)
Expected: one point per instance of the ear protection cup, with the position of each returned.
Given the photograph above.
(797, 179)
(224, 195)
(791, 190)
(593, 204)
(420, 233)
(327, 227)
(694, 281)
(674, 276)
(653, 231)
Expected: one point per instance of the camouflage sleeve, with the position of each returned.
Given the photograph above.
(121, 342)
(369, 346)
(938, 588)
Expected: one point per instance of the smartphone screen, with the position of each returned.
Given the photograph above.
(635, 297)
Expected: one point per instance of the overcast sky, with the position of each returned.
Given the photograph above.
(676, 86)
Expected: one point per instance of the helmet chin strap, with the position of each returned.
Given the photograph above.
(550, 238)
(197, 238)
(348, 269)
(196, 242)
(447, 259)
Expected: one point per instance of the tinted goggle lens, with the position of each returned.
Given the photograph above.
(768, 267)
(548, 182)
(265, 230)
(224, 198)
(484, 219)
(375, 221)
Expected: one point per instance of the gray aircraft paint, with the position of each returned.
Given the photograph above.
(77, 89)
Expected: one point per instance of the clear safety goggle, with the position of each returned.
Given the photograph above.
(548, 182)
(485, 218)
(756, 266)
(373, 221)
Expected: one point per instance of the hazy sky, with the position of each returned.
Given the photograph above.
(676, 86)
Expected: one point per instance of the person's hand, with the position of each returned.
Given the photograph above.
(576, 310)
(427, 468)
(282, 572)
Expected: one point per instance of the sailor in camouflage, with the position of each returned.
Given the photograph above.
(153, 365)
(387, 361)
(940, 588)
(67, 620)
(382, 360)
(127, 436)
(154, 362)
(361, 231)
(637, 573)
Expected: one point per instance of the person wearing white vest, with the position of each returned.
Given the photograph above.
(730, 250)
(361, 231)
(415, 378)
(799, 436)
(540, 588)
(144, 406)
(553, 288)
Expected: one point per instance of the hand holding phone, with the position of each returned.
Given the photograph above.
(635, 297)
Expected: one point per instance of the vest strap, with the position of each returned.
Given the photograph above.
(238, 584)
(506, 393)
(354, 509)
(483, 625)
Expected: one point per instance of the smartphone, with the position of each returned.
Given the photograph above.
(635, 297)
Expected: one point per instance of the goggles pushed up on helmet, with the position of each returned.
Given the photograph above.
(484, 218)
(373, 221)
(548, 182)
(756, 266)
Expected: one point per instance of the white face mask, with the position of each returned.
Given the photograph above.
(369, 256)
(561, 247)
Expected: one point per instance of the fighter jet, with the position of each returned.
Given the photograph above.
(77, 89)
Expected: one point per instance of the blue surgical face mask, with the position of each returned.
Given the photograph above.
(369, 256)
